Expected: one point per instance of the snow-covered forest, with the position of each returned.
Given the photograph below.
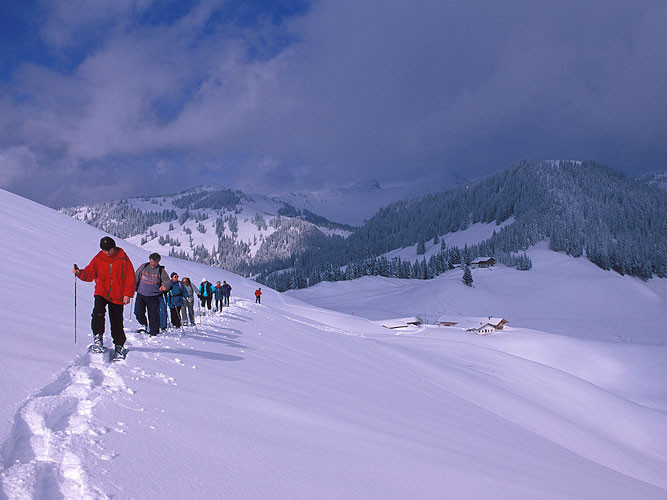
(583, 208)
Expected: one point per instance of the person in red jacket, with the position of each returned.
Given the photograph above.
(258, 296)
(113, 273)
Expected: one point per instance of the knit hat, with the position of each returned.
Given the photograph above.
(204, 280)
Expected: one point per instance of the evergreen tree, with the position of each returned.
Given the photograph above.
(467, 276)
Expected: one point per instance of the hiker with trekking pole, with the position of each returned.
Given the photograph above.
(113, 273)
(175, 300)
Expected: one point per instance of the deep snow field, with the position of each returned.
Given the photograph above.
(290, 400)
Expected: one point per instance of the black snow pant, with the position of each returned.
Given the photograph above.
(152, 303)
(115, 319)
(175, 316)
(225, 299)
(206, 301)
(218, 304)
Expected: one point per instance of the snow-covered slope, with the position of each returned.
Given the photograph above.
(286, 400)
(240, 232)
(475, 233)
(560, 294)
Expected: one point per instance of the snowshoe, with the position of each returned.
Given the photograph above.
(120, 353)
(97, 346)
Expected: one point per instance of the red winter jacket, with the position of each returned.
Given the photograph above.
(114, 276)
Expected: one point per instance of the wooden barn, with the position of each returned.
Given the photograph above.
(483, 329)
(484, 262)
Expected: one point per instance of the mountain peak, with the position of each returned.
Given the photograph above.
(362, 186)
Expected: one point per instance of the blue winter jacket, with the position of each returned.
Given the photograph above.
(218, 292)
(176, 294)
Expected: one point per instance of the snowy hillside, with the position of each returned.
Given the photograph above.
(560, 294)
(213, 225)
(472, 235)
(286, 400)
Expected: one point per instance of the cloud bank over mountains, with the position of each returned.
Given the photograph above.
(109, 99)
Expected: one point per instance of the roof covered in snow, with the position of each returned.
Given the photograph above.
(471, 321)
(400, 322)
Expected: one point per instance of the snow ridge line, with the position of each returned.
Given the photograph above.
(54, 434)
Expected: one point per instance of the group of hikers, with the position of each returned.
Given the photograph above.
(116, 282)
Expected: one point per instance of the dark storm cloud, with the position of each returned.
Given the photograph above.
(330, 94)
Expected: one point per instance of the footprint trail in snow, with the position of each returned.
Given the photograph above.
(55, 439)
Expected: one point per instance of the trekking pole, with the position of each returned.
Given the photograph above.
(77, 268)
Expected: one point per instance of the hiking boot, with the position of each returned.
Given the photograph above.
(99, 340)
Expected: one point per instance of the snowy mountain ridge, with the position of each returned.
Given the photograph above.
(581, 208)
(211, 224)
(355, 204)
(246, 233)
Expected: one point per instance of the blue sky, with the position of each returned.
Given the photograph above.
(106, 99)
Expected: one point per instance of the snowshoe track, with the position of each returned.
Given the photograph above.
(54, 434)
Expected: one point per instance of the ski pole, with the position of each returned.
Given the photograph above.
(77, 268)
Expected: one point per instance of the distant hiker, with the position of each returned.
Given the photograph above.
(188, 302)
(218, 293)
(205, 293)
(226, 292)
(175, 300)
(258, 296)
(113, 273)
(151, 281)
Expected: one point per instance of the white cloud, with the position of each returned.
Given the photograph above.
(17, 164)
